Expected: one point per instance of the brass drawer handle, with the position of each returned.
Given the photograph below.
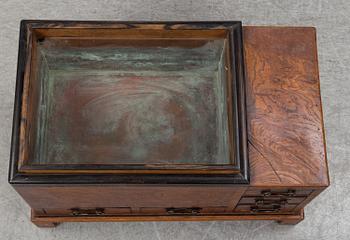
(262, 201)
(182, 211)
(262, 210)
(87, 212)
(288, 193)
(275, 208)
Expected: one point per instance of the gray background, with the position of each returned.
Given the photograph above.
(327, 217)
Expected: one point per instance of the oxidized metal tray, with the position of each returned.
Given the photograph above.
(159, 102)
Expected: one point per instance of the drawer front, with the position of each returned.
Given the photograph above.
(269, 200)
(262, 201)
(84, 211)
(272, 208)
(278, 192)
(182, 211)
(127, 211)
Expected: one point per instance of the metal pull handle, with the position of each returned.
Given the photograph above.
(87, 212)
(262, 201)
(181, 211)
(268, 193)
(265, 210)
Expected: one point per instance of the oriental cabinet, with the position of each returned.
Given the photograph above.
(153, 121)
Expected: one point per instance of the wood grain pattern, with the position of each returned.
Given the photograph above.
(285, 126)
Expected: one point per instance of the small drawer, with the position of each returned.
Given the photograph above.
(274, 208)
(272, 199)
(278, 192)
(182, 211)
(84, 211)
(170, 211)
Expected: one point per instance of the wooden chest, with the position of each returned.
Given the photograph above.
(129, 121)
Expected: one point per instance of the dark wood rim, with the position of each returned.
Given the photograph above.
(231, 174)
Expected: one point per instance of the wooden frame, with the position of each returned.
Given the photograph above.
(33, 31)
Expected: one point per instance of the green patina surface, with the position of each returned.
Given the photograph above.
(133, 105)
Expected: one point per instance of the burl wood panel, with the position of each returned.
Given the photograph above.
(285, 125)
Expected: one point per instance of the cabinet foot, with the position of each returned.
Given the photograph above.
(292, 220)
(44, 224)
(40, 223)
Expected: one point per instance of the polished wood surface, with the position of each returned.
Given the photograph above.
(285, 123)
(134, 196)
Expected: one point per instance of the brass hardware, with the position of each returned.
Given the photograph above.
(264, 210)
(99, 211)
(266, 193)
(272, 209)
(182, 211)
(75, 212)
(264, 201)
(87, 212)
(288, 193)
